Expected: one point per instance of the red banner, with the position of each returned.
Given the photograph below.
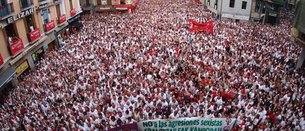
(1, 60)
(131, 6)
(198, 27)
(72, 12)
(16, 46)
(62, 19)
(34, 35)
(50, 25)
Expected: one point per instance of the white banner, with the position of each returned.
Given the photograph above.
(187, 124)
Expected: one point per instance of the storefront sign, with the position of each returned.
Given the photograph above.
(188, 124)
(34, 35)
(16, 46)
(20, 15)
(62, 19)
(50, 26)
(72, 12)
(1, 60)
(22, 67)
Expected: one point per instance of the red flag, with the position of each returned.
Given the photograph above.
(198, 27)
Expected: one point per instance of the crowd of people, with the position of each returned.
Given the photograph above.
(124, 68)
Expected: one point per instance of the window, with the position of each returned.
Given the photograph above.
(29, 23)
(11, 32)
(71, 4)
(244, 5)
(232, 3)
(45, 15)
(3, 3)
(209, 2)
(26, 3)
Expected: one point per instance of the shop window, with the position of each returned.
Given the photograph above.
(232, 3)
(5, 8)
(244, 5)
(38, 56)
(62, 8)
(58, 11)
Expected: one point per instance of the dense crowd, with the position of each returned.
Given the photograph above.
(144, 65)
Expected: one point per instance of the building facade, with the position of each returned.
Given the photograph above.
(101, 5)
(29, 28)
(298, 31)
(229, 9)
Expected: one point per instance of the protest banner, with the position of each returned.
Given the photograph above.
(188, 124)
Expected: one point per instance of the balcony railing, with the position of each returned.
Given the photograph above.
(26, 3)
(16, 45)
(49, 26)
(34, 35)
(6, 10)
(62, 19)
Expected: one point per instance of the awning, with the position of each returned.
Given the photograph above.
(7, 75)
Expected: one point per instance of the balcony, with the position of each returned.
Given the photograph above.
(25, 4)
(62, 19)
(16, 45)
(34, 35)
(49, 26)
(6, 10)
